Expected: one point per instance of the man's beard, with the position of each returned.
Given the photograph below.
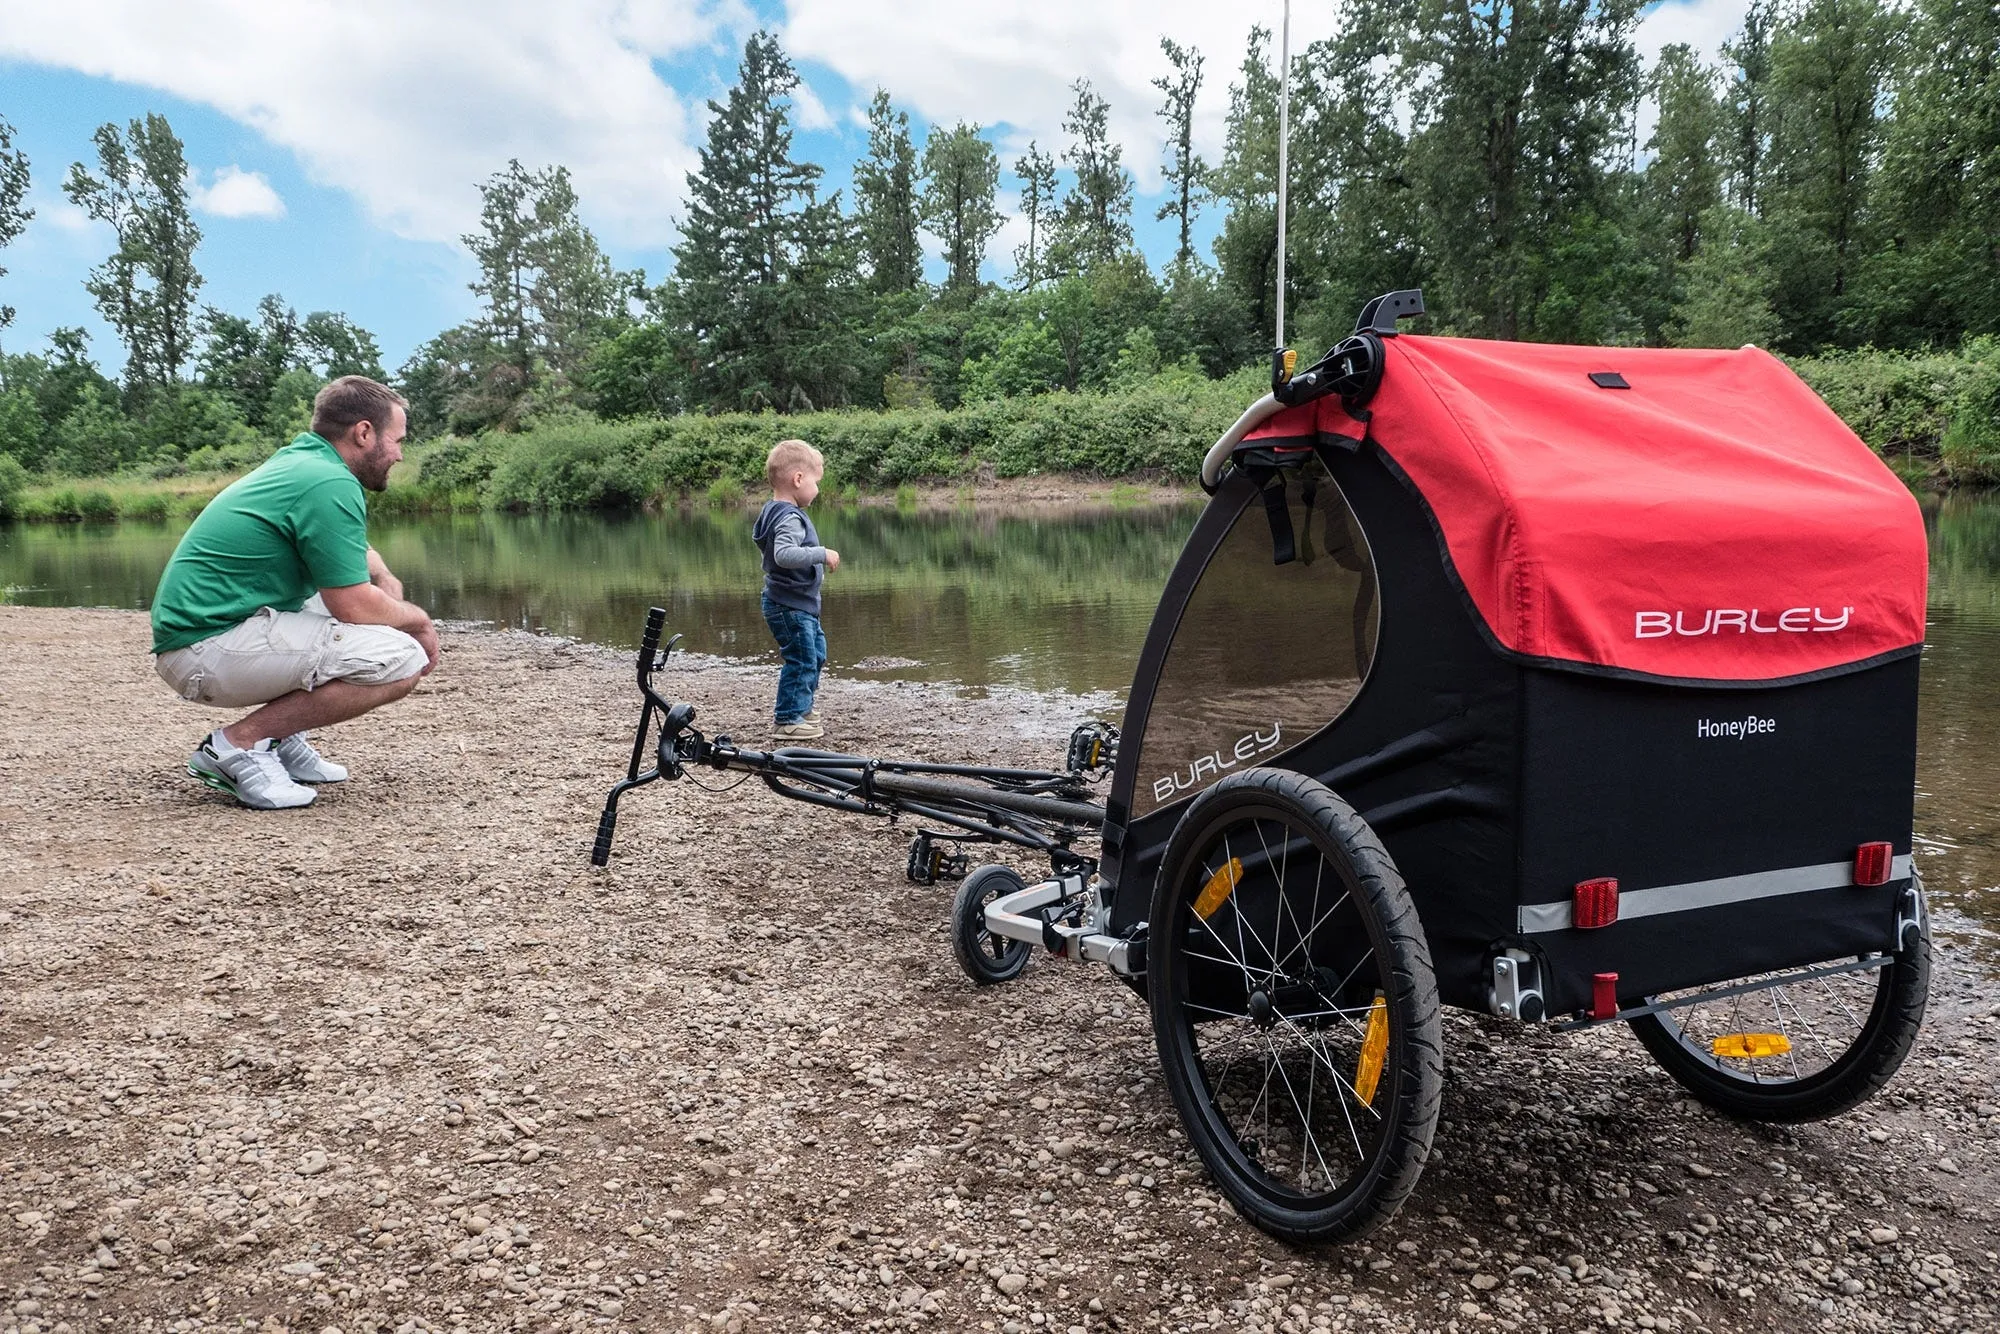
(372, 473)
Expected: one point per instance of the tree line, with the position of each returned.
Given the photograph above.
(1829, 184)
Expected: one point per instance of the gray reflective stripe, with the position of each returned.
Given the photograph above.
(1539, 917)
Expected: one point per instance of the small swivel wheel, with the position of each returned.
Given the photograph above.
(986, 958)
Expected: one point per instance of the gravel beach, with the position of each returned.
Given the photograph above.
(401, 1061)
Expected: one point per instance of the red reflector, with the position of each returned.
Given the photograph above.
(1603, 995)
(1595, 904)
(1871, 863)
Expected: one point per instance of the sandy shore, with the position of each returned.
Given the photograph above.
(401, 1062)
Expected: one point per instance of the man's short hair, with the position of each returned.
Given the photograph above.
(790, 456)
(351, 399)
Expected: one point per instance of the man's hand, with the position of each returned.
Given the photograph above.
(365, 604)
(832, 559)
(378, 575)
(428, 637)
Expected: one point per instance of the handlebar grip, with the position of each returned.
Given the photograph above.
(600, 851)
(649, 642)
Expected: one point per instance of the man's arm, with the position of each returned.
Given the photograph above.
(378, 575)
(366, 604)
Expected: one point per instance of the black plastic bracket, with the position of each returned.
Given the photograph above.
(1380, 315)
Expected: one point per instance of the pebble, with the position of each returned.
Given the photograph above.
(1884, 1236)
(1012, 1284)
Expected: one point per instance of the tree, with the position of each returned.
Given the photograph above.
(14, 214)
(885, 198)
(1095, 223)
(1684, 179)
(1037, 171)
(961, 174)
(1746, 105)
(1938, 275)
(1184, 171)
(1247, 182)
(549, 290)
(146, 289)
(576, 296)
(764, 273)
(1829, 66)
(1518, 115)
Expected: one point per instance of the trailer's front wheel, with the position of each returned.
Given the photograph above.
(986, 958)
(1803, 1049)
(1294, 1006)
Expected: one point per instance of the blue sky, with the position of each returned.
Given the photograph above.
(342, 181)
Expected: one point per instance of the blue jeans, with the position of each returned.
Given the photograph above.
(802, 645)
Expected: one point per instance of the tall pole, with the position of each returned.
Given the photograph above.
(1284, 156)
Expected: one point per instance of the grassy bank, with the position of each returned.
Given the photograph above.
(1934, 417)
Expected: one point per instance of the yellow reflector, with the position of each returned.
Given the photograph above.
(1750, 1046)
(1218, 889)
(1374, 1046)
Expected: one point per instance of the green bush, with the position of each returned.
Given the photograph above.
(97, 506)
(577, 464)
(13, 481)
(150, 507)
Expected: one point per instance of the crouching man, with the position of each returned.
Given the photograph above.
(274, 598)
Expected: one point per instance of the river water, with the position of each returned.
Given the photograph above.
(1049, 599)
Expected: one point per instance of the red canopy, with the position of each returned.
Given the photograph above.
(1713, 521)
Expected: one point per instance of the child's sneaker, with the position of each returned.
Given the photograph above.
(304, 764)
(802, 730)
(256, 777)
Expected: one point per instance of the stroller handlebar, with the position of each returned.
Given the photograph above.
(1218, 454)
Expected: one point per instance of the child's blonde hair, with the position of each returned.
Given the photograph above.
(790, 456)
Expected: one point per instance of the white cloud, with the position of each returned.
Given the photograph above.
(410, 106)
(236, 193)
(1702, 24)
(1012, 61)
(811, 113)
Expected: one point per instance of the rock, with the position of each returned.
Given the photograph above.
(1485, 1282)
(1011, 1284)
(1700, 1170)
(1852, 1287)
(314, 1163)
(1884, 1236)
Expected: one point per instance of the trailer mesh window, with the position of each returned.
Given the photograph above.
(1275, 640)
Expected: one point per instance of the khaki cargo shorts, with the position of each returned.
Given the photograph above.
(276, 652)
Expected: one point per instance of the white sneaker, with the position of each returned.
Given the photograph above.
(256, 777)
(798, 731)
(304, 764)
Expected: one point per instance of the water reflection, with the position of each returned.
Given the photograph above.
(1056, 599)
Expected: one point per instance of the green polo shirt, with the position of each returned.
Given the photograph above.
(272, 538)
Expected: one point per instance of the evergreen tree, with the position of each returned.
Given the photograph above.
(14, 213)
(885, 198)
(764, 270)
(1037, 171)
(1095, 224)
(1184, 170)
(961, 173)
(146, 289)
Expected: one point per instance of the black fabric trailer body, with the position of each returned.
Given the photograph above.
(1498, 784)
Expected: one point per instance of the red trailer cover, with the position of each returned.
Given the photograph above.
(1713, 521)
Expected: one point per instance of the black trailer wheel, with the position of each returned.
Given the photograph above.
(1804, 1050)
(985, 957)
(1294, 1005)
